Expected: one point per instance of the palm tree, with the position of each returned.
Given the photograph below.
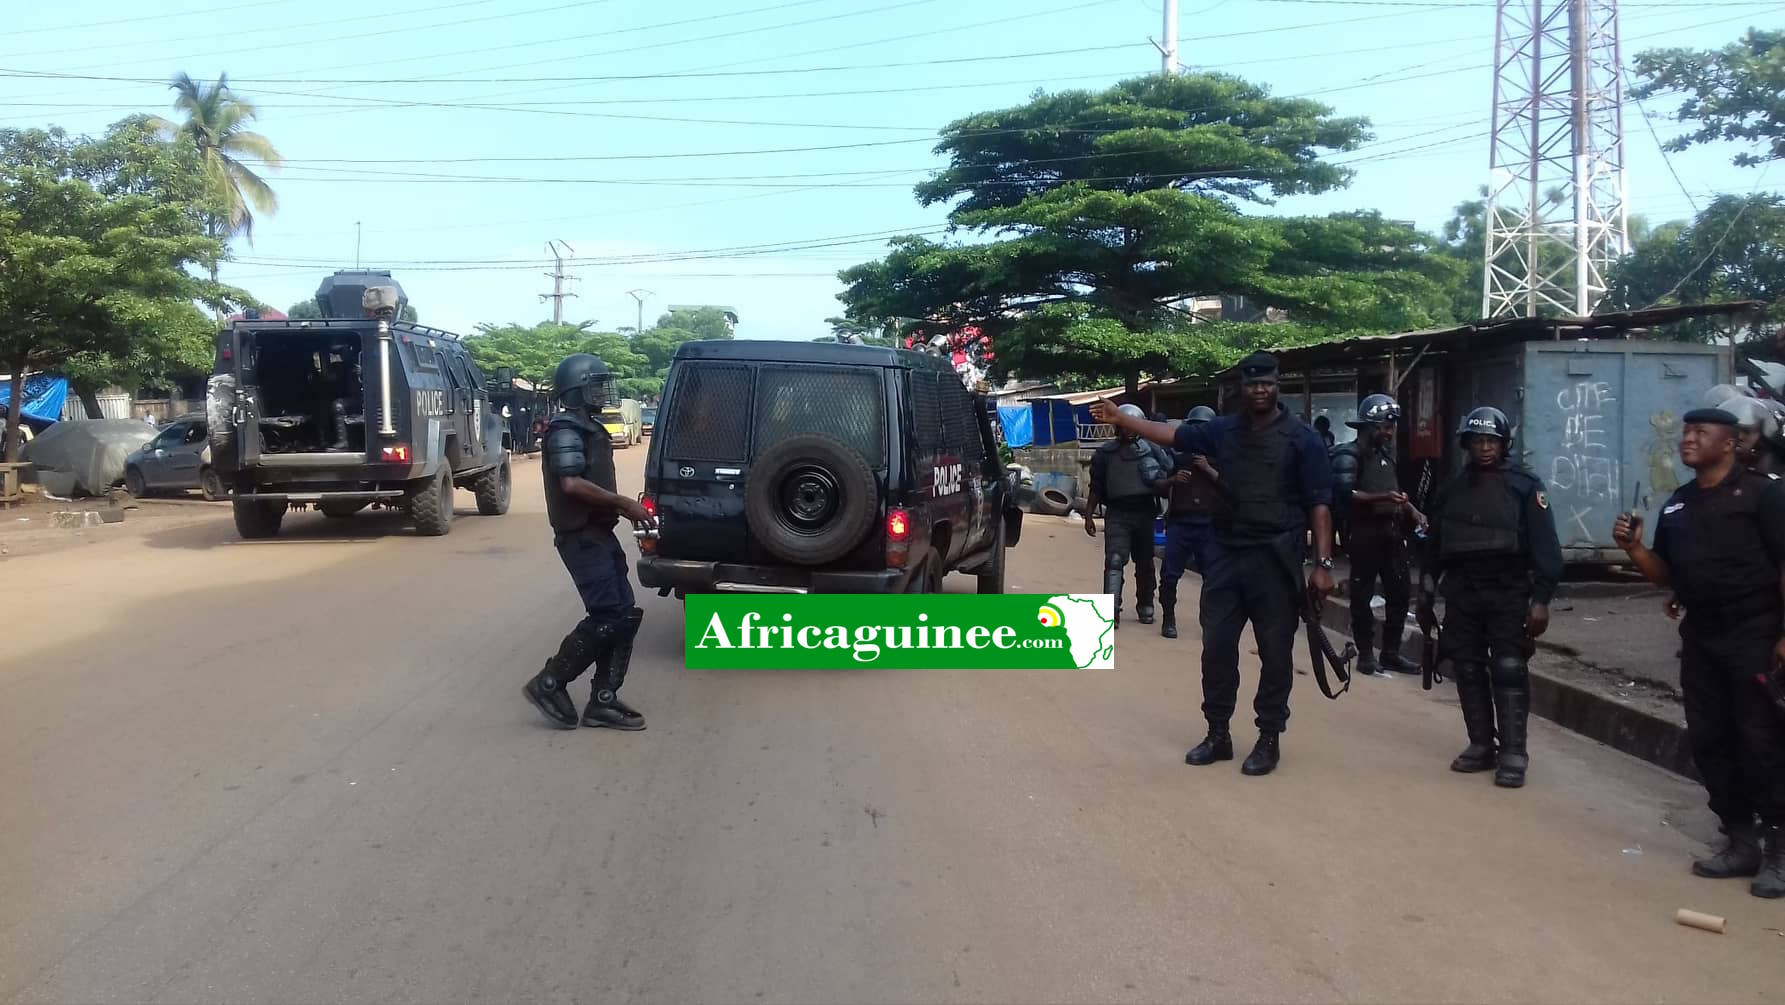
(215, 124)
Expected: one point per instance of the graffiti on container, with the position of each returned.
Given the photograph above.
(1664, 475)
(1584, 467)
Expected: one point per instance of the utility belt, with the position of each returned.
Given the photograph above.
(1759, 609)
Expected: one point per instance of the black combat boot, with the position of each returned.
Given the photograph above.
(1366, 663)
(1739, 856)
(1217, 746)
(1394, 662)
(1478, 719)
(1143, 608)
(575, 654)
(1168, 621)
(546, 692)
(1514, 707)
(605, 707)
(1771, 881)
(1264, 756)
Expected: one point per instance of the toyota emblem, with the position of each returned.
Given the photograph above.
(686, 472)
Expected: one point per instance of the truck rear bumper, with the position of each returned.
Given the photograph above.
(301, 496)
(685, 576)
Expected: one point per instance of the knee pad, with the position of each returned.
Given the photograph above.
(629, 624)
(1469, 673)
(597, 635)
(1510, 674)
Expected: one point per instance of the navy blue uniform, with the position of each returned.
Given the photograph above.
(1189, 527)
(1271, 478)
(580, 447)
(1724, 547)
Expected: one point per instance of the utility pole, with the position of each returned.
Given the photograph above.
(1557, 214)
(640, 295)
(356, 242)
(1168, 52)
(558, 276)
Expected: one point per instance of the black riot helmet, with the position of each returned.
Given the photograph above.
(582, 380)
(1201, 413)
(1378, 408)
(1485, 421)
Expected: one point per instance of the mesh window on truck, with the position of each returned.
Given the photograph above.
(926, 410)
(708, 417)
(846, 404)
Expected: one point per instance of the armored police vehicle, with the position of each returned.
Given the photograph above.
(355, 409)
(789, 467)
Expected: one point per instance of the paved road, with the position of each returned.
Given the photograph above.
(301, 770)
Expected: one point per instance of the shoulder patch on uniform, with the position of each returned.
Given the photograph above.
(1674, 508)
(1542, 501)
(1772, 476)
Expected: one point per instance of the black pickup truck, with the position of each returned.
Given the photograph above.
(787, 467)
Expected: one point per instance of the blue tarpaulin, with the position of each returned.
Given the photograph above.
(1019, 425)
(1056, 421)
(44, 396)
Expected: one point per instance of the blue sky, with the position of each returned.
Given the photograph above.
(741, 152)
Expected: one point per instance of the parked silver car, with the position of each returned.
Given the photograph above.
(178, 458)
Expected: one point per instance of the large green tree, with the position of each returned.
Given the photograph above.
(215, 124)
(1733, 250)
(92, 262)
(533, 352)
(1735, 93)
(1100, 215)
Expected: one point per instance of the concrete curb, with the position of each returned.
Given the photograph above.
(1593, 715)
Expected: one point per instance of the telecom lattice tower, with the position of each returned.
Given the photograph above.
(1556, 216)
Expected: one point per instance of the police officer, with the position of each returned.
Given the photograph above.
(1376, 542)
(1493, 553)
(1194, 499)
(1756, 435)
(583, 503)
(1720, 544)
(1277, 484)
(1127, 477)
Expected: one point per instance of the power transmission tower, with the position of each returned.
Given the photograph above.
(1556, 214)
(558, 276)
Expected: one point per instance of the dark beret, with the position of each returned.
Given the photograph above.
(1711, 416)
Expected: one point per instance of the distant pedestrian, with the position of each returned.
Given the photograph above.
(1324, 426)
(1493, 554)
(1720, 545)
(1127, 477)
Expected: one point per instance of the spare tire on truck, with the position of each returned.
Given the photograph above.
(811, 499)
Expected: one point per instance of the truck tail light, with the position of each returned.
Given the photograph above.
(898, 537)
(649, 503)
(398, 453)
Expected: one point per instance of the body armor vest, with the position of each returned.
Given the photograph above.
(1199, 498)
(1376, 473)
(1344, 461)
(1481, 518)
(1256, 488)
(569, 515)
(1132, 471)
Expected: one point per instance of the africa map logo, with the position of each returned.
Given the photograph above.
(1090, 623)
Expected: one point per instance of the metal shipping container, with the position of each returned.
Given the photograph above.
(1598, 421)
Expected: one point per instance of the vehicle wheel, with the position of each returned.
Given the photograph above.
(257, 519)
(811, 499)
(211, 485)
(928, 578)
(493, 489)
(134, 484)
(340, 509)
(431, 508)
(991, 578)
